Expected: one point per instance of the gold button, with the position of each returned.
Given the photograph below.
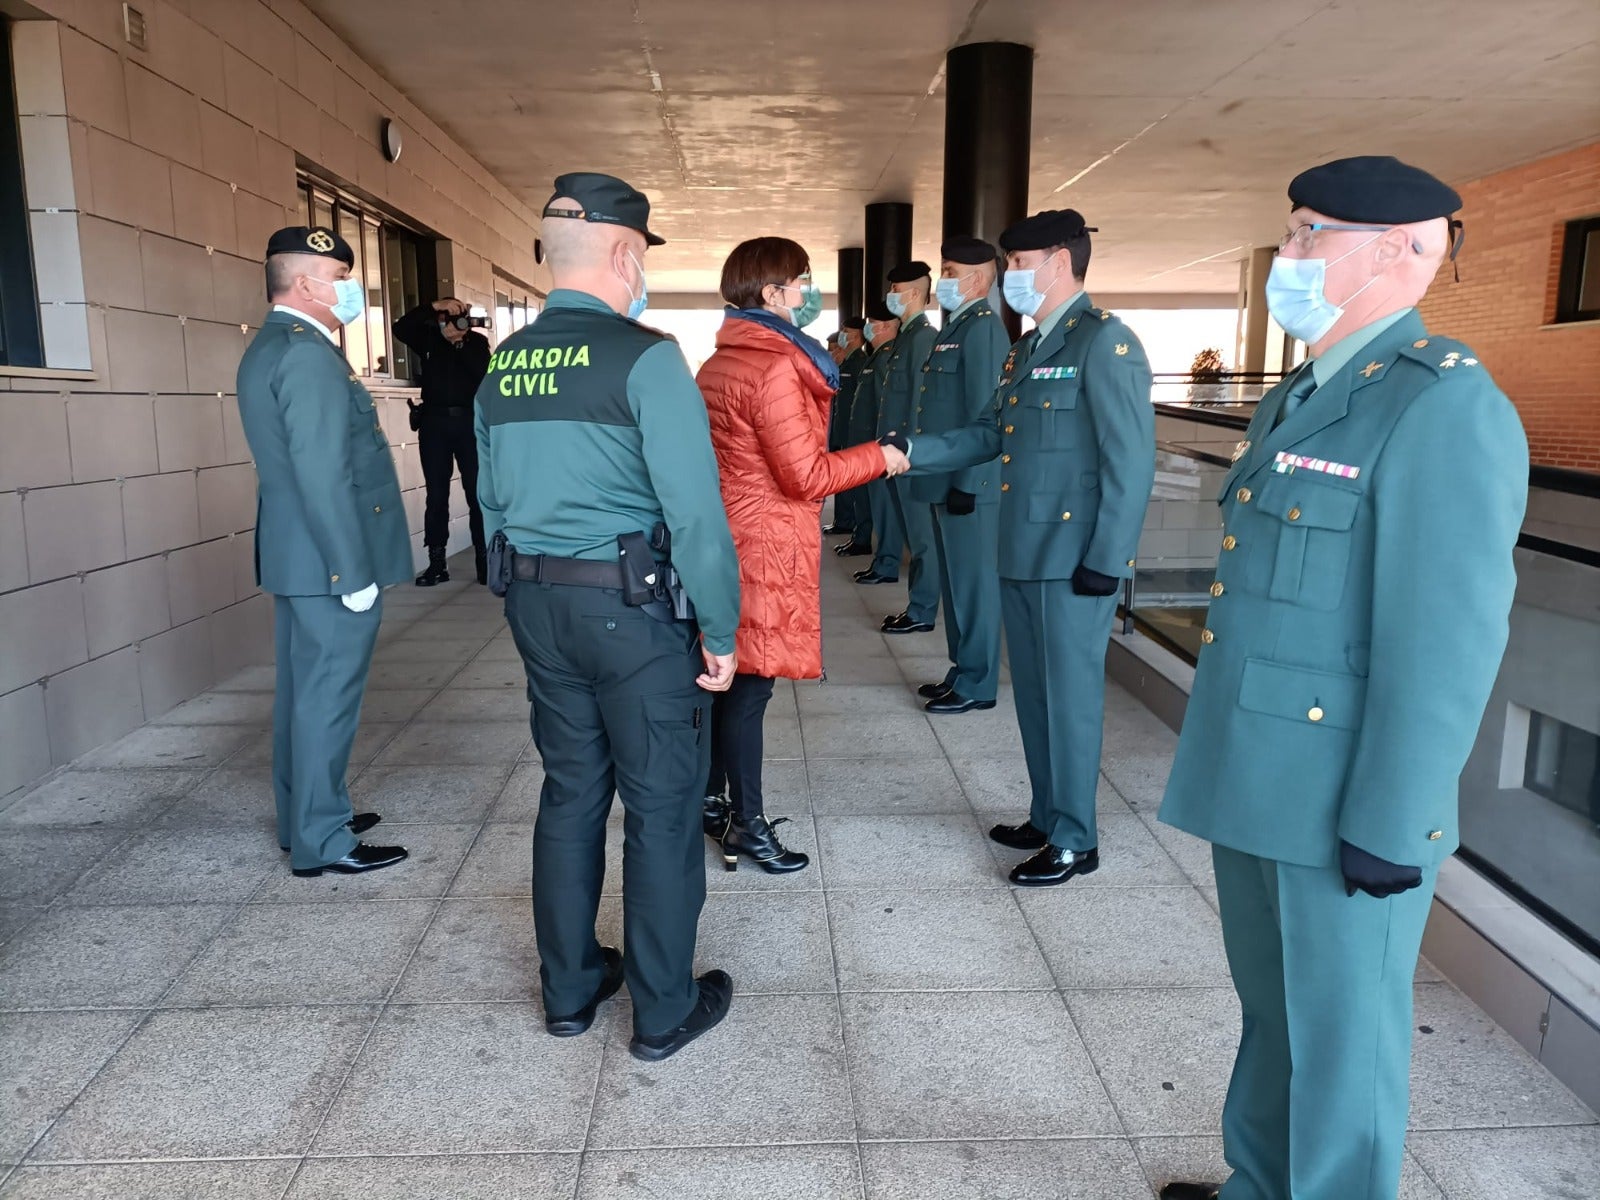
(1435, 835)
(1316, 714)
(335, 579)
(1005, 458)
(1243, 495)
(1005, 487)
(377, 508)
(1013, 400)
(1217, 589)
(924, 387)
(1047, 404)
(1011, 428)
(1066, 516)
(1229, 542)
(1207, 636)
(1294, 514)
(1130, 562)
(1418, 345)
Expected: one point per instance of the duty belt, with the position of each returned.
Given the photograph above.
(574, 572)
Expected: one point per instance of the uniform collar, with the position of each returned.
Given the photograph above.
(1049, 324)
(309, 320)
(573, 298)
(1327, 364)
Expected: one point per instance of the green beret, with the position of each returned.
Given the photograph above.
(1373, 190)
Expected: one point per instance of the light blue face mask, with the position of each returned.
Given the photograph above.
(1020, 290)
(636, 304)
(948, 293)
(349, 299)
(810, 307)
(1298, 301)
(866, 333)
(896, 303)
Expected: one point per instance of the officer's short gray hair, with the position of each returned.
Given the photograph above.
(575, 244)
(284, 269)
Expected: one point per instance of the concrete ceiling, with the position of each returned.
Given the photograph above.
(1177, 122)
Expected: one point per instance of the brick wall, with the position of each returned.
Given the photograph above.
(1505, 301)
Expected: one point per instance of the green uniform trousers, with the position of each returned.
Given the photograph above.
(922, 585)
(969, 577)
(1316, 1108)
(887, 528)
(615, 710)
(323, 652)
(850, 510)
(1056, 641)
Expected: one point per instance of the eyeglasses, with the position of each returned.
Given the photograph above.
(1301, 236)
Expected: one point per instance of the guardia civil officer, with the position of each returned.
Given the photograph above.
(1075, 432)
(330, 533)
(888, 534)
(593, 443)
(1359, 615)
(454, 359)
(849, 507)
(958, 383)
(910, 287)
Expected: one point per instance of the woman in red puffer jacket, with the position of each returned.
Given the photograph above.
(768, 389)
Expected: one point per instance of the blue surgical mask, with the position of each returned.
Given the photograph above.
(1298, 301)
(867, 332)
(349, 299)
(948, 293)
(896, 303)
(636, 304)
(810, 306)
(1021, 291)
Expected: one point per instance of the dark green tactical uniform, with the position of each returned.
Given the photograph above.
(958, 383)
(1075, 432)
(329, 523)
(890, 538)
(590, 427)
(1357, 624)
(850, 508)
(902, 376)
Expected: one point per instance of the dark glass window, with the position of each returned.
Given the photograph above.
(20, 342)
(1578, 287)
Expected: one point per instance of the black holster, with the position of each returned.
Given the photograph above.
(648, 584)
(499, 563)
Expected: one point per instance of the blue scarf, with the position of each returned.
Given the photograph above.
(808, 345)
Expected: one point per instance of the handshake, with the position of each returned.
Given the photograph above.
(894, 447)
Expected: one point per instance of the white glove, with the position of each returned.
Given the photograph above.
(362, 600)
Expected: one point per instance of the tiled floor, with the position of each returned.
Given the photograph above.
(179, 1017)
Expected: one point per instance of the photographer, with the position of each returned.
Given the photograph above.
(455, 359)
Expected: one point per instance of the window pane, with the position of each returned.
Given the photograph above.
(377, 319)
(355, 333)
(502, 315)
(321, 210)
(305, 206)
(1589, 280)
(394, 280)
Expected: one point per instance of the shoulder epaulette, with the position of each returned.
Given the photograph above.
(1440, 354)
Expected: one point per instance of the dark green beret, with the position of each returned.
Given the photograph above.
(969, 251)
(1043, 230)
(316, 239)
(1374, 190)
(910, 272)
(603, 198)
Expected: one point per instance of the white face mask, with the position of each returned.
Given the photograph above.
(1297, 297)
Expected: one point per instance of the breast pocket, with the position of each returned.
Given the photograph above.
(1049, 414)
(1311, 522)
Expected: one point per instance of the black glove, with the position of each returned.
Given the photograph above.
(1091, 583)
(897, 440)
(960, 503)
(1373, 875)
(415, 416)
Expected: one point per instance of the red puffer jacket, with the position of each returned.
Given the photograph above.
(768, 404)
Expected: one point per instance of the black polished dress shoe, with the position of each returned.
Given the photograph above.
(1190, 1191)
(716, 993)
(714, 817)
(1053, 865)
(870, 576)
(934, 691)
(852, 550)
(357, 825)
(1026, 836)
(954, 702)
(362, 858)
(837, 530)
(579, 1022)
(904, 624)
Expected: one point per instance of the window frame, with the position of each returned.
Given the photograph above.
(1574, 258)
(21, 326)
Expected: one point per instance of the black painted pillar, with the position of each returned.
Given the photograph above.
(988, 133)
(850, 265)
(888, 245)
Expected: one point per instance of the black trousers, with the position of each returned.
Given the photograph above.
(447, 442)
(615, 710)
(736, 743)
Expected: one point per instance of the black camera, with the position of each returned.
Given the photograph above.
(468, 321)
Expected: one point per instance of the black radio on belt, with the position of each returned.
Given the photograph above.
(650, 584)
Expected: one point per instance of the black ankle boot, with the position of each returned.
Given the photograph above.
(715, 817)
(755, 839)
(437, 572)
(480, 557)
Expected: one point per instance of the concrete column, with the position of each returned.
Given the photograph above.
(1253, 277)
(888, 241)
(851, 260)
(988, 132)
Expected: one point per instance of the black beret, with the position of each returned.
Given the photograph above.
(856, 323)
(603, 198)
(969, 251)
(316, 239)
(1053, 227)
(877, 310)
(910, 272)
(1373, 189)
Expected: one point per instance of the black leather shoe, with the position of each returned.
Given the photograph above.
(837, 530)
(1190, 1191)
(362, 822)
(954, 702)
(1026, 836)
(904, 624)
(852, 550)
(580, 1021)
(1053, 865)
(755, 839)
(934, 691)
(714, 817)
(873, 577)
(716, 993)
(362, 858)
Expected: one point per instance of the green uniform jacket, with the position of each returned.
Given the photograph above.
(869, 392)
(328, 515)
(1360, 610)
(958, 383)
(907, 353)
(589, 427)
(1075, 431)
(851, 371)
